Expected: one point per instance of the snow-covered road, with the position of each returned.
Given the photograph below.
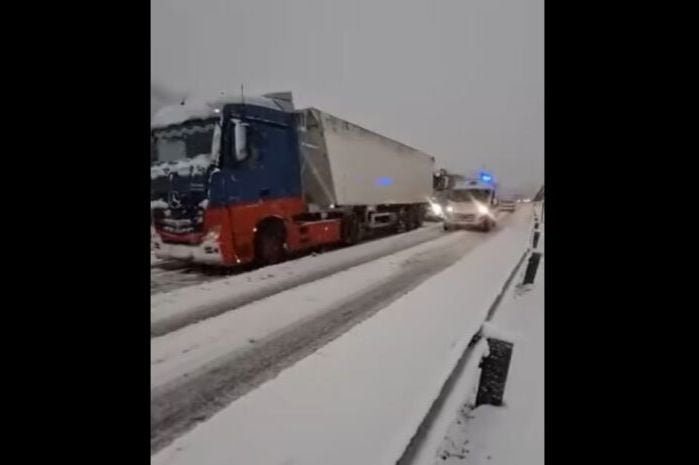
(197, 369)
(356, 400)
(167, 276)
(187, 305)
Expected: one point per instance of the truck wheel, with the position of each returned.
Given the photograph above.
(350, 230)
(269, 246)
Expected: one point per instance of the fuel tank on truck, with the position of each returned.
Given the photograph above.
(345, 164)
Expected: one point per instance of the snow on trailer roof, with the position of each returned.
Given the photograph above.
(203, 109)
(338, 120)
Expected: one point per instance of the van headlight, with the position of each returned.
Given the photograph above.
(450, 209)
(436, 209)
(482, 209)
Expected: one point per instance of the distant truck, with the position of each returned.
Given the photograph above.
(469, 203)
(507, 202)
(252, 180)
(507, 205)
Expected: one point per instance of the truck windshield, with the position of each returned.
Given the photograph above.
(182, 141)
(468, 195)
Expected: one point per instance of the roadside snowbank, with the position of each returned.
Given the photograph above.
(512, 434)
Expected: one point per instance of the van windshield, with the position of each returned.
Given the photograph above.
(468, 195)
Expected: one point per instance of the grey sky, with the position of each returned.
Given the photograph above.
(460, 79)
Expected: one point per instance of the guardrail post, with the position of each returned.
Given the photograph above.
(530, 272)
(494, 370)
(536, 239)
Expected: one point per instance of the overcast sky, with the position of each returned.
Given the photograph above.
(460, 79)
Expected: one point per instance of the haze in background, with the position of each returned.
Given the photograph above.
(460, 79)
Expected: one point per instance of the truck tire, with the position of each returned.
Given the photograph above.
(270, 247)
(351, 230)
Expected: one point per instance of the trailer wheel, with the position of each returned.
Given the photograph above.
(420, 211)
(270, 245)
(412, 221)
(402, 220)
(351, 230)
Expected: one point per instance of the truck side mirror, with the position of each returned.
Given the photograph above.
(241, 140)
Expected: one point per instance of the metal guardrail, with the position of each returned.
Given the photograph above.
(493, 374)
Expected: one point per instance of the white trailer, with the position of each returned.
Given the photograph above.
(354, 166)
(346, 167)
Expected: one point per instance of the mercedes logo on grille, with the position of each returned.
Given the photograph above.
(174, 201)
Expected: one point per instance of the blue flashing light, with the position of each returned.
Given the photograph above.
(485, 177)
(384, 181)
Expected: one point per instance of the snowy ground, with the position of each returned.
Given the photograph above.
(154, 261)
(359, 398)
(170, 275)
(512, 434)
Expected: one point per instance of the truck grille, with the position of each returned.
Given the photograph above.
(179, 221)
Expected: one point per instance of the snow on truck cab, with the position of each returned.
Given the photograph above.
(469, 204)
(251, 180)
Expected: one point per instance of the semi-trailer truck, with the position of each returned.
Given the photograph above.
(243, 180)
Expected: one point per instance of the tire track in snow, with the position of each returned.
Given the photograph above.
(165, 320)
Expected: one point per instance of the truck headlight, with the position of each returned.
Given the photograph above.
(213, 234)
(482, 209)
(450, 209)
(436, 209)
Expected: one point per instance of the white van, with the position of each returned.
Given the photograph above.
(469, 204)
